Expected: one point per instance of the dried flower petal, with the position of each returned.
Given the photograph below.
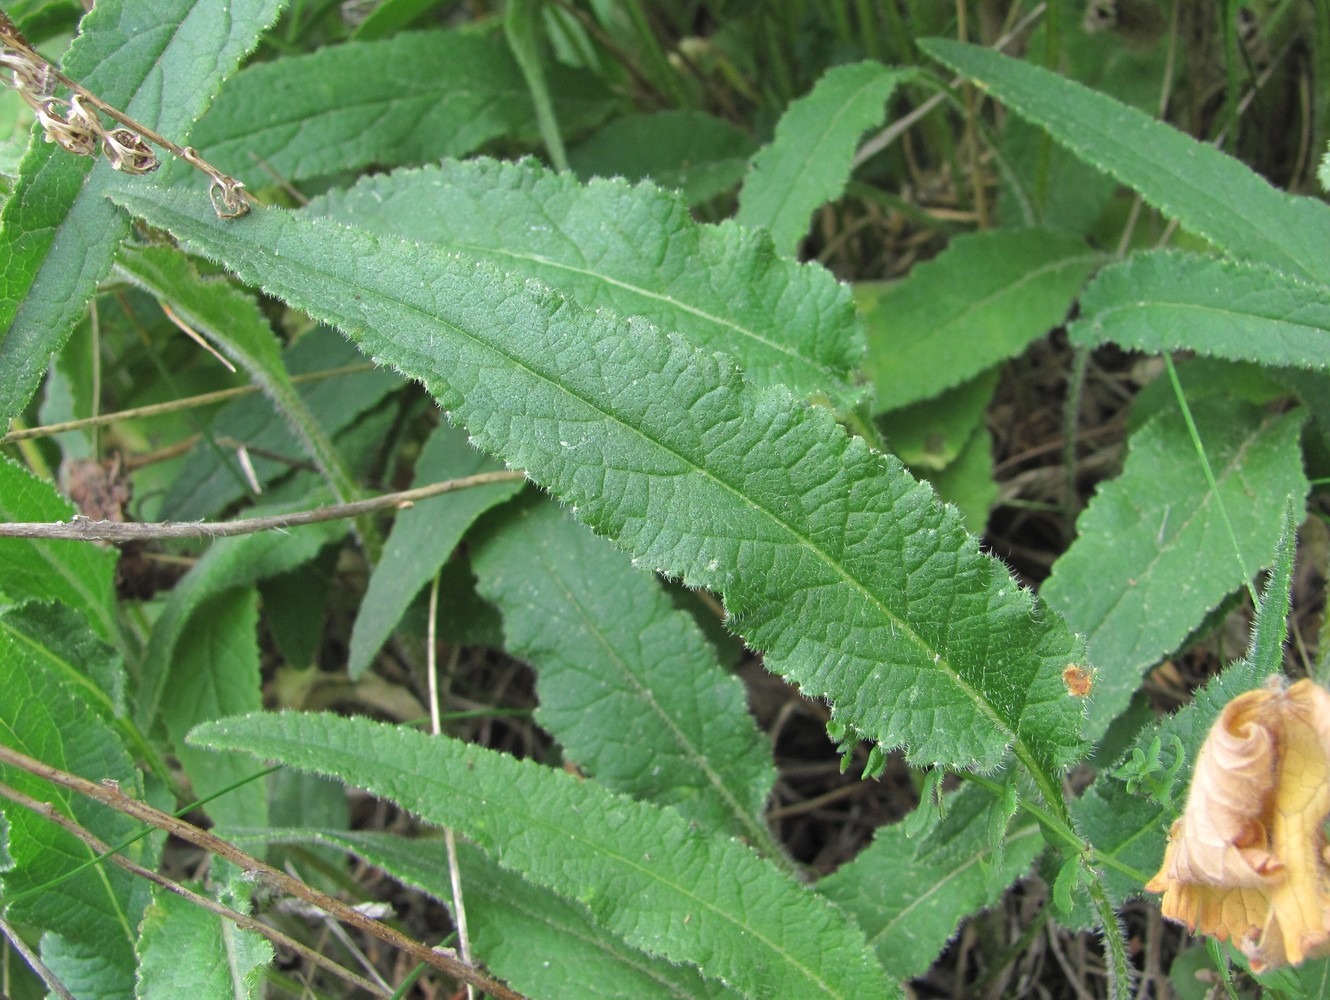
(1246, 859)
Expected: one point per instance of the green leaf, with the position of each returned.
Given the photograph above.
(968, 482)
(231, 319)
(981, 301)
(422, 540)
(184, 950)
(205, 486)
(697, 153)
(1165, 301)
(93, 915)
(627, 684)
(409, 99)
(1130, 829)
(71, 653)
(161, 62)
(215, 673)
(78, 575)
(809, 160)
(1152, 556)
(909, 895)
(228, 564)
(644, 872)
(515, 925)
(858, 584)
(634, 249)
(1211, 194)
(930, 435)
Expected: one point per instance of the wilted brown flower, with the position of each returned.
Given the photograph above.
(1247, 859)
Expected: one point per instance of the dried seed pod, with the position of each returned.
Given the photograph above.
(129, 152)
(71, 133)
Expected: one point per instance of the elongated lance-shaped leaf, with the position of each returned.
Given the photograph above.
(644, 871)
(1152, 555)
(521, 26)
(635, 249)
(909, 895)
(231, 318)
(627, 684)
(410, 99)
(1131, 828)
(515, 925)
(1211, 194)
(161, 62)
(422, 539)
(45, 715)
(809, 160)
(856, 582)
(1167, 301)
(980, 301)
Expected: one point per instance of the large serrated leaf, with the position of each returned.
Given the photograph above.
(80, 576)
(708, 902)
(160, 61)
(515, 925)
(809, 160)
(95, 913)
(981, 301)
(409, 99)
(1130, 828)
(909, 897)
(1152, 555)
(632, 248)
(628, 684)
(185, 950)
(858, 584)
(422, 539)
(1211, 194)
(1167, 301)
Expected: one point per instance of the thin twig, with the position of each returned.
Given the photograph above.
(241, 920)
(110, 795)
(85, 529)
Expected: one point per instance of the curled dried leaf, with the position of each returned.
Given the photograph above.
(1246, 860)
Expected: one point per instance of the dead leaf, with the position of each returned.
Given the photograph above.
(1246, 860)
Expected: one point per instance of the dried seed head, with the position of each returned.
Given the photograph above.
(72, 133)
(129, 152)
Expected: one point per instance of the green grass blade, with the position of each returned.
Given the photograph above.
(1211, 194)
(161, 62)
(829, 556)
(645, 872)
